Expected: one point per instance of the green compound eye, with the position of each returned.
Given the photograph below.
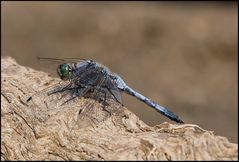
(64, 71)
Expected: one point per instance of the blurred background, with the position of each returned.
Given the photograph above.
(182, 55)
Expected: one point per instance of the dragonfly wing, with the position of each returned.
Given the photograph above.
(50, 64)
(116, 95)
(61, 60)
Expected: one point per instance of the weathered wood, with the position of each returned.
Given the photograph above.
(38, 131)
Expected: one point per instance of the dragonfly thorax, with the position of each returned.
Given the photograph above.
(64, 71)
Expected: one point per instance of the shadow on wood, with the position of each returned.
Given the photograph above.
(40, 130)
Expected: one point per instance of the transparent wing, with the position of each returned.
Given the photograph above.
(50, 64)
(103, 84)
(101, 94)
(50, 94)
(60, 60)
(62, 92)
(117, 95)
(94, 85)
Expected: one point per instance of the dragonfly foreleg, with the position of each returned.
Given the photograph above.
(79, 92)
(57, 90)
(114, 96)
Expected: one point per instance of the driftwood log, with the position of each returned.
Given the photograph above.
(39, 130)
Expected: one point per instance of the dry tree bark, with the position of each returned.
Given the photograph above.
(38, 131)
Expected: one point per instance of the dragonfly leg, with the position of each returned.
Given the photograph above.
(69, 100)
(105, 103)
(59, 90)
(114, 96)
(68, 87)
(105, 100)
(77, 92)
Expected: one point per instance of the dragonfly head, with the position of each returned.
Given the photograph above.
(64, 71)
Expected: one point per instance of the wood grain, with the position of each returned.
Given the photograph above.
(38, 131)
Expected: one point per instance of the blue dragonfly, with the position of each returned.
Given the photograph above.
(89, 77)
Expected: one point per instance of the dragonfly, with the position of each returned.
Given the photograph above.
(86, 76)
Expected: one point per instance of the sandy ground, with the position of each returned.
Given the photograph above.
(184, 56)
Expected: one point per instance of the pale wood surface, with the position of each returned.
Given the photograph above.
(38, 131)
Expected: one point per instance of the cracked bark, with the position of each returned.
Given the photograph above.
(42, 130)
